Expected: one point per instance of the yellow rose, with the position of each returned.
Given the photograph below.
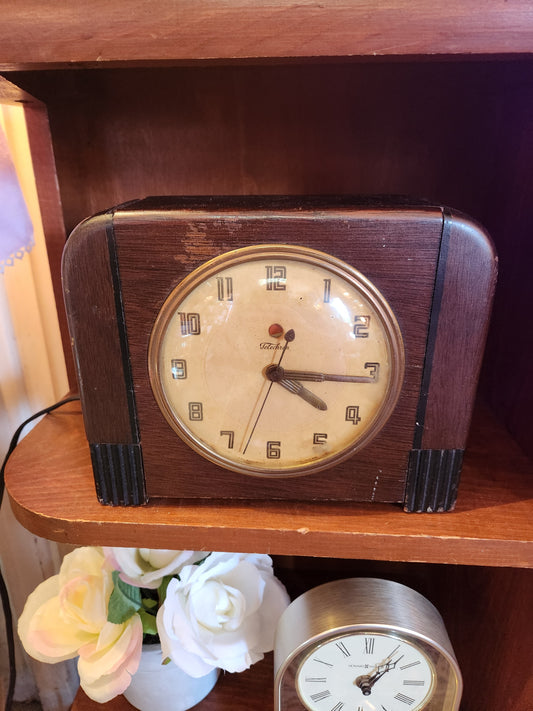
(66, 616)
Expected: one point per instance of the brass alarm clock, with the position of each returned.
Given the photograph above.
(364, 644)
(262, 348)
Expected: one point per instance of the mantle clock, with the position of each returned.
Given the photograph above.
(278, 348)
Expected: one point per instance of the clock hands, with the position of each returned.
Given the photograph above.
(367, 681)
(298, 389)
(289, 337)
(276, 373)
(289, 379)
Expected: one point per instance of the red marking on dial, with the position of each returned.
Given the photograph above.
(275, 330)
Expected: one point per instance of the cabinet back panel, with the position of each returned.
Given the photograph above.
(459, 132)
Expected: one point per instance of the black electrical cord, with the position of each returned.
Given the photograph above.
(10, 633)
(10, 643)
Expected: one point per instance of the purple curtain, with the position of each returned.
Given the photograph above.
(16, 230)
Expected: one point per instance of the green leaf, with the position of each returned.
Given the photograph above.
(148, 603)
(149, 622)
(124, 602)
(162, 589)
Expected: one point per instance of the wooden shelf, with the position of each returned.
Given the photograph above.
(49, 480)
(34, 35)
(239, 692)
(314, 111)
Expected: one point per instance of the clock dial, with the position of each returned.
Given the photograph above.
(366, 671)
(276, 360)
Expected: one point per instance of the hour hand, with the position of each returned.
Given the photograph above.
(367, 681)
(298, 389)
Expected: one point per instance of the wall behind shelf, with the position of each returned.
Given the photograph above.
(455, 132)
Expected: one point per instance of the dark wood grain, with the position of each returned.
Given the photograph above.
(159, 242)
(349, 127)
(455, 132)
(90, 298)
(468, 288)
(492, 524)
(404, 273)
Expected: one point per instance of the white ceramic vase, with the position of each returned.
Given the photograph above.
(165, 687)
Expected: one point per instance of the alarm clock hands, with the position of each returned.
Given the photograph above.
(271, 373)
(289, 379)
(367, 681)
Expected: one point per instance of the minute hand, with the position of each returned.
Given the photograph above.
(315, 377)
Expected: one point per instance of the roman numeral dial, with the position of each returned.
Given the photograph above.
(364, 672)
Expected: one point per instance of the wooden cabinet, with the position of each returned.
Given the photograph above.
(430, 100)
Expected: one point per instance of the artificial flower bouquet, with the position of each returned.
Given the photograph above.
(209, 610)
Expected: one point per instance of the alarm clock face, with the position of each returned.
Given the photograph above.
(276, 360)
(366, 671)
(364, 644)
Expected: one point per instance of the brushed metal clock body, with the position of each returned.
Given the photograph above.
(362, 644)
(435, 270)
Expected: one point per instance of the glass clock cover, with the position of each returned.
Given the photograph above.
(366, 671)
(276, 360)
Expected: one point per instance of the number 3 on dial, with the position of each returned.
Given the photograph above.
(294, 352)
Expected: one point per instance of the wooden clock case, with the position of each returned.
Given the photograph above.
(435, 267)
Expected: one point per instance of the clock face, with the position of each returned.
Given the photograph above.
(276, 360)
(366, 671)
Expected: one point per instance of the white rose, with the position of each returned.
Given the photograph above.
(222, 613)
(146, 567)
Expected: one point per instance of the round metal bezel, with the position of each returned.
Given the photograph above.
(314, 645)
(309, 256)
